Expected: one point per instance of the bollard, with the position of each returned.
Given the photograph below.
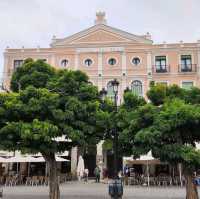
(116, 189)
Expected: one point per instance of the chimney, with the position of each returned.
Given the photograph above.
(100, 18)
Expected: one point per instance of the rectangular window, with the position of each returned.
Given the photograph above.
(186, 63)
(187, 85)
(161, 64)
(17, 63)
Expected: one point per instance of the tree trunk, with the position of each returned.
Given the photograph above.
(191, 188)
(54, 191)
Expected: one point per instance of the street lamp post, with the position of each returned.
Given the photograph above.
(116, 188)
(115, 85)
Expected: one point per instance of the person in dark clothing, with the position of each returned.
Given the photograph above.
(97, 172)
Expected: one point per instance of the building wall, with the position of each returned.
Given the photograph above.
(100, 43)
(100, 72)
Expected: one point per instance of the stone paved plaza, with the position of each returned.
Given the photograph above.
(92, 190)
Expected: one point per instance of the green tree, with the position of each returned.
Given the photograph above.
(36, 116)
(170, 129)
(34, 73)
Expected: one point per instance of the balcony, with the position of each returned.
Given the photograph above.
(187, 68)
(160, 69)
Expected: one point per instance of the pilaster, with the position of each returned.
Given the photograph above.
(6, 72)
(53, 60)
(124, 75)
(76, 61)
(100, 70)
(149, 68)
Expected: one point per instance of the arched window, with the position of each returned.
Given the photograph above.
(64, 63)
(136, 88)
(110, 92)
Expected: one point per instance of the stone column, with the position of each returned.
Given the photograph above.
(76, 61)
(124, 75)
(100, 70)
(99, 157)
(74, 160)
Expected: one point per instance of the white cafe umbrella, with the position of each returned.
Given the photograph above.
(80, 167)
(58, 159)
(3, 160)
(19, 159)
(28, 159)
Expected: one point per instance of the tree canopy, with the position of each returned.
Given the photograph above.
(49, 103)
(169, 127)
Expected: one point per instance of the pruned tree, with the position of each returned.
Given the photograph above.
(35, 116)
(169, 127)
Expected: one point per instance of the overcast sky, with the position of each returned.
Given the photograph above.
(33, 22)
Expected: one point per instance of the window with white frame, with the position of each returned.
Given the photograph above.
(17, 63)
(187, 85)
(88, 62)
(161, 63)
(136, 88)
(112, 61)
(136, 61)
(186, 63)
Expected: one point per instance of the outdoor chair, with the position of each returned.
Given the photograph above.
(41, 180)
(133, 181)
(46, 180)
(34, 181)
(10, 181)
(68, 177)
(152, 181)
(28, 181)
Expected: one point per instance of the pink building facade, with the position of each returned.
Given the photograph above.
(105, 53)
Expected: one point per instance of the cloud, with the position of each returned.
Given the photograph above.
(33, 22)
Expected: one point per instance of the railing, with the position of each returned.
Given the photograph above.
(183, 68)
(161, 69)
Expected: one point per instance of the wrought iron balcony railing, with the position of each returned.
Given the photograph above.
(161, 69)
(187, 68)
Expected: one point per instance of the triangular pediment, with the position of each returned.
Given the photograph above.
(100, 34)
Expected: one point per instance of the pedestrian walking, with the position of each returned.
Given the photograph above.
(86, 173)
(126, 174)
(97, 172)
